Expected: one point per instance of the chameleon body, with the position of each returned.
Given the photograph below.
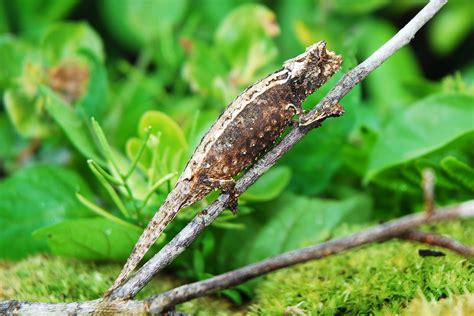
(246, 129)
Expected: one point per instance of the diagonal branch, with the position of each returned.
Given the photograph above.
(165, 301)
(327, 107)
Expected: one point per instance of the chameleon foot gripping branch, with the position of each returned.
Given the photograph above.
(247, 128)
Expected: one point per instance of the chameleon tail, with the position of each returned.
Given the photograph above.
(174, 202)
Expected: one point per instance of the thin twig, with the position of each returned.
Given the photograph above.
(440, 241)
(167, 300)
(325, 108)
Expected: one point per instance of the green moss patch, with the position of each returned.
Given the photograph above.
(381, 278)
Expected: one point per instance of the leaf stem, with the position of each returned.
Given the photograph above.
(100, 211)
(139, 155)
(109, 189)
(155, 186)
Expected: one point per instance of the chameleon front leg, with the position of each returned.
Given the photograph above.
(297, 110)
(226, 186)
(321, 114)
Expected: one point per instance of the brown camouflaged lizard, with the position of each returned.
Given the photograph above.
(246, 129)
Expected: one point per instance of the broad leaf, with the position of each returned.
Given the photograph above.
(166, 150)
(64, 40)
(26, 114)
(459, 171)
(428, 125)
(269, 186)
(12, 52)
(11, 143)
(206, 71)
(94, 101)
(245, 38)
(90, 238)
(357, 7)
(72, 124)
(32, 16)
(451, 26)
(318, 155)
(138, 22)
(386, 85)
(35, 197)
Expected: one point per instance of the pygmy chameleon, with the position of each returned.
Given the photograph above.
(246, 129)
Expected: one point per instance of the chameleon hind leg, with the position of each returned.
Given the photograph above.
(227, 186)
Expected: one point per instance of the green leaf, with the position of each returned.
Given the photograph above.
(4, 23)
(243, 51)
(386, 85)
(428, 125)
(287, 223)
(65, 40)
(11, 143)
(26, 114)
(357, 7)
(71, 123)
(109, 188)
(318, 155)
(104, 144)
(451, 26)
(167, 146)
(198, 262)
(90, 238)
(35, 197)
(245, 39)
(94, 102)
(101, 212)
(32, 16)
(137, 22)
(269, 186)
(459, 170)
(205, 71)
(171, 134)
(12, 54)
(233, 295)
(291, 16)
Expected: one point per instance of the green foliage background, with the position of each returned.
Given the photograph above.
(104, 102)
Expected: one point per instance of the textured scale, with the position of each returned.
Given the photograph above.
(246, 129)
(247, 136)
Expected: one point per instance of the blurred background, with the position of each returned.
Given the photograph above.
(104, 101)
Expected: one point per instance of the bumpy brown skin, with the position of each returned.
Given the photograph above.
(252, 132)
(245, 130)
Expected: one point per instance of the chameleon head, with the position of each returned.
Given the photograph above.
(312, 68)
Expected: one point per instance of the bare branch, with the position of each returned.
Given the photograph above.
(167, 300)
(326, 108)
(440, 241)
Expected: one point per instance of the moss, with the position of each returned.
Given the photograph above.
(376, 279)
(44, 278)
(453, 305)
